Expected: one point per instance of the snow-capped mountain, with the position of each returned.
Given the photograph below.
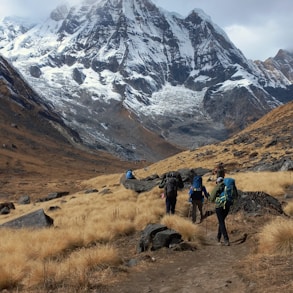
(12, 27)
(35, 115)
(115, 70)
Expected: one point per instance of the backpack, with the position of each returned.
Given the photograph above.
(171, 187)
(129, 174)
(196, 188)
(229, 193)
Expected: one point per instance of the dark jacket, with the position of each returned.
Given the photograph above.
(174, 174)
(198, 195)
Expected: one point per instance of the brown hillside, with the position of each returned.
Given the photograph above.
(35, 158)
(265, 141)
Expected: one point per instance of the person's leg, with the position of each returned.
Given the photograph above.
(168, 205)
(193, 211)
(199, 204)
(173, 205)
(225, 214)
(221, 215)
(226, 210)
(219, 235)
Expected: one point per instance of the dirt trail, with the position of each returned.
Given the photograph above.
(210, 268)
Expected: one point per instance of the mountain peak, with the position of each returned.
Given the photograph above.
(107, 66)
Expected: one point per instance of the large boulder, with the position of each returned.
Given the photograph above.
(36, 219)
(166, 238)
(257, 203)
(156, 236)
(139, 185)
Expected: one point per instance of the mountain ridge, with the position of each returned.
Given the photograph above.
(168, 72)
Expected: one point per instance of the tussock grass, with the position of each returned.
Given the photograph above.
(185, 227)
(277, 237)
(288, 209)
(10, 277)
(87, 224)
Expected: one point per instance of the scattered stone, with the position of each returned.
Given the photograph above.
(53, 208)
(183, 246)
(25, 199)
(10, 205)
(105, 191)
(4, 211)
(132, 262)
(91, 191)
(272, 143)
(53, 195)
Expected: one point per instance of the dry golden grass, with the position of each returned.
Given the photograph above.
(277, 237)
(71, 250)
(288, 209)
(185, 227)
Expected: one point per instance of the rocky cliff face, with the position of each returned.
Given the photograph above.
(118, 70)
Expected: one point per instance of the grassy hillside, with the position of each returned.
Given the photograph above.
(94, 233)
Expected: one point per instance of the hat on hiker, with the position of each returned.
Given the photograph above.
(220, 179)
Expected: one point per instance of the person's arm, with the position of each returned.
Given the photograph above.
(204, 190)
(163, 182)
(190, 191)
(214, 193)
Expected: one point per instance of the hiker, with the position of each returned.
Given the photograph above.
(196, 193)
(129, 174)
(222, 208)
(219, 171)
(171, 182)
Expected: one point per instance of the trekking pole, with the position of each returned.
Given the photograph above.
(189, 210)
(206, 216)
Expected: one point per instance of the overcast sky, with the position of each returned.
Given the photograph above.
(259, 28)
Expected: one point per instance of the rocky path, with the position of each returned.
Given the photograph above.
(210, 268)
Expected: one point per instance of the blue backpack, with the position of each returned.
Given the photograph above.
(129, 174)
(196, 188)
(229, 193)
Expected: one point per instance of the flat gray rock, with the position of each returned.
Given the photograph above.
(36, 219)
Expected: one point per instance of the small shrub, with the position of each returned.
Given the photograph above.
(288, 209)
(185, 227)
(277, 237)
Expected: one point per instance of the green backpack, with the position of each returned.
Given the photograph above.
(229, 194)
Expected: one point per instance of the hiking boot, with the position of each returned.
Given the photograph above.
(226, 243)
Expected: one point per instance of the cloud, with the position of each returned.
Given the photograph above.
(259, 28)
(31, 8)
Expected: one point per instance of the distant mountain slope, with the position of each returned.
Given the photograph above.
(120, 67)
(266, 143)
(36, 146)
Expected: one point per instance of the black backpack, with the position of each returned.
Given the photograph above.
(171, 187)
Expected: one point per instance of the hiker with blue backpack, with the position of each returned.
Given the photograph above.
(196, 194)
(129, 174)
(223, 196)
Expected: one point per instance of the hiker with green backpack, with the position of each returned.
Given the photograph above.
(223, 196)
